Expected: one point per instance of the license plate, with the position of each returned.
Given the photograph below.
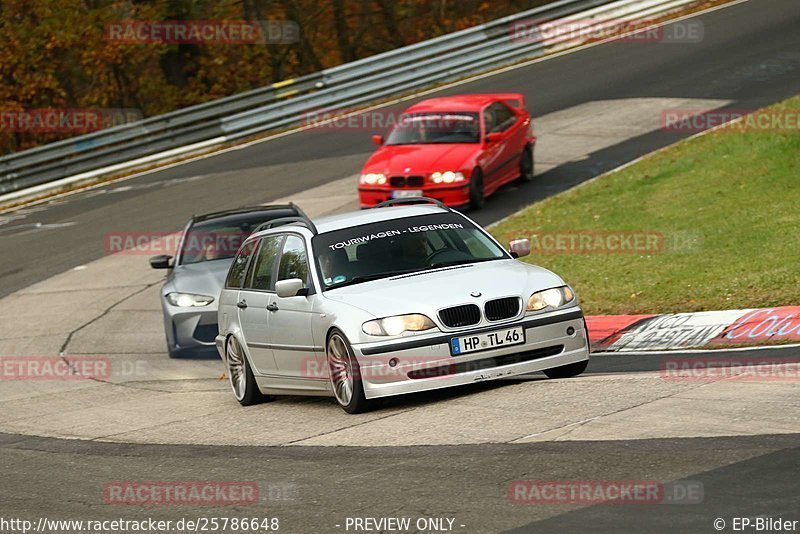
(407, 193)
(489, 340)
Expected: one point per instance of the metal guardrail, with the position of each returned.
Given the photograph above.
(287, 103)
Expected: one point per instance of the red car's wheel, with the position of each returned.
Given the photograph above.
(476, 196)
(526, 167)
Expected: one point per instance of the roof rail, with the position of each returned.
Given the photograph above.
(302, 214)
(242, 209)
(412, 200)
(305, 221)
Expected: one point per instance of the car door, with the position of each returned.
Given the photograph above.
(228, 314)
(290, 334)
(254, 299)
(492, 152)
(506, 123)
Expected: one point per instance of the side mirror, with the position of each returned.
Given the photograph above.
(162, 261)
(519, 247)
(494, 137)
(377, 139)
(288, 288)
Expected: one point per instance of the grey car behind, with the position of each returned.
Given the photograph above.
(196, 274)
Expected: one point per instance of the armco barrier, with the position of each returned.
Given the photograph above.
(284, 104)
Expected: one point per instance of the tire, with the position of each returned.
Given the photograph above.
(243, 383)
(526, 165)
(476, 197)
(345, 374)
(567, 371)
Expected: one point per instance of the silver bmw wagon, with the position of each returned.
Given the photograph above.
(404, 297)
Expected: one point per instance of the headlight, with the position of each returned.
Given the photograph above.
(373, 178)
(187, 300)
(550, 298)
(446, 177)
(394, 326)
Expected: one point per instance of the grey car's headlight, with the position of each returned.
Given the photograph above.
(188, 300)
(396, 325)
(550, 298)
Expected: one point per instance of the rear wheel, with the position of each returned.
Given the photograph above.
(476, 197)
(243, 383)
(345, 374)
(526, 165)
(567, 371)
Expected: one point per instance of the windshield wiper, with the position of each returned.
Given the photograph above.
(368, 277)
(439, 264)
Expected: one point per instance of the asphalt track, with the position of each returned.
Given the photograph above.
(750, 55)
(313, 489)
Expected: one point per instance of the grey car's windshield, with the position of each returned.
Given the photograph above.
(220, 238)
(398, 246)
(432, 128)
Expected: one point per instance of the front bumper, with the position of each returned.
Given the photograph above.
(450, 195)
(547, 345)
(191, 329)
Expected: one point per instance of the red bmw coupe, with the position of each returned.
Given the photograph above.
(457, 149)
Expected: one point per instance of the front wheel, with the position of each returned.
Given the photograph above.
(243, 383)
(477, 198)
(345, 374)
(567, 371)
(526, 166)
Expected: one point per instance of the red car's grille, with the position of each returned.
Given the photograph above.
(406, 181)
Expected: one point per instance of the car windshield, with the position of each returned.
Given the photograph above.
(398, 246)
(431, 128)
(220, 238)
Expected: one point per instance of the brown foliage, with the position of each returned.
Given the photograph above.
(57, 54)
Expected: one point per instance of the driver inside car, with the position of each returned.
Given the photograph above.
(329, 262)
(413, 250)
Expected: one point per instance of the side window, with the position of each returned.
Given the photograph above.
(503, 118)
(294, 263)
(236, 272)
(489, 121)
(262, 270)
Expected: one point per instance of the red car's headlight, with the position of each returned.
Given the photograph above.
(446, 177)
(372, 178)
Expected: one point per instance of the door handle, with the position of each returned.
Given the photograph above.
(241, 304)
(272, 306)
